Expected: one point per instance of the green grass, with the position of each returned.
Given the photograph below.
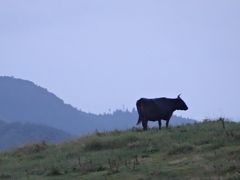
(200, 151)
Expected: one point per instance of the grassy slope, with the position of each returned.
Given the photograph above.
(199, 151)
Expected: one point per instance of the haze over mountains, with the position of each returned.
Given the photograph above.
(16, 134)
(23, 101)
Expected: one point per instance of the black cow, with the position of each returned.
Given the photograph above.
(158, 109)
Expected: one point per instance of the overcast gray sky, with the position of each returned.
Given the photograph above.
(100, 55)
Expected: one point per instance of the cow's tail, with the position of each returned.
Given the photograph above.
(139, 121)
(139, 109)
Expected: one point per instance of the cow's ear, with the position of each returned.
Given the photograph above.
(179, 96)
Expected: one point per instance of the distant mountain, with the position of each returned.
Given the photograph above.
(23, 101)
(15, 134)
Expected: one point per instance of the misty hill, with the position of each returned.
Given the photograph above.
(24, 101)
(13, 135)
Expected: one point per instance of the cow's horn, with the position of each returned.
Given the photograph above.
(179, 96)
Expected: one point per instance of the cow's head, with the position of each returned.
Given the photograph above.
(181, 105)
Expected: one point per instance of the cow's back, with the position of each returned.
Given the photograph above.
(156, 109)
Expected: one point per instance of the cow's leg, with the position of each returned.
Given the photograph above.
(160, 124)
(145, 125)
(167, 123)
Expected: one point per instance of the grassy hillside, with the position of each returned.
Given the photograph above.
(199, 151)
